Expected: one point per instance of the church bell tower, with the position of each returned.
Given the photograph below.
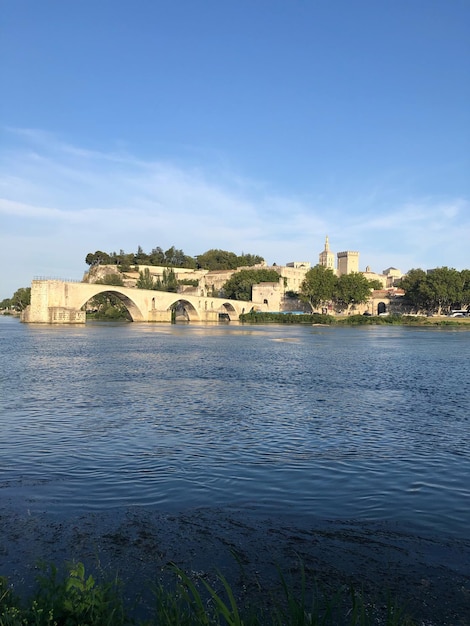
(327, 258)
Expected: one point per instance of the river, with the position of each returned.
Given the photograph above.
(369, 424)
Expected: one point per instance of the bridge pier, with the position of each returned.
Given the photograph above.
(44, 307)
(53, 315)
(62, 315)
(209, 316)
(159, 316)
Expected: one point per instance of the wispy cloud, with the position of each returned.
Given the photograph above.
(66, 201)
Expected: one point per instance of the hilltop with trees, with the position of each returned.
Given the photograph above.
(211, 260)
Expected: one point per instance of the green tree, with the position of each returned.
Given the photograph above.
(445, 287)
(239, 286)
(5, 304)
(375, 284)
(157, 256)
(465, 288)
(108, 306)
(216, 259)
(141, 258)
(21, 298)
(177, 258)
(98, 258)
(145, 280)
(436, 290)
(318, 287)
(168, 281)
(350, 289)
(414, 285)
(247, 260)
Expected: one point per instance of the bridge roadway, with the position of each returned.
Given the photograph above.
(61, 302)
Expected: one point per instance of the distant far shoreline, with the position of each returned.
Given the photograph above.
(317, 319)
(354, 320)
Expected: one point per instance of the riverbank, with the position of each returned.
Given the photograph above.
(256, 317)
(428, 577)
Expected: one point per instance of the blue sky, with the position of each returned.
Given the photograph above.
(251, 125)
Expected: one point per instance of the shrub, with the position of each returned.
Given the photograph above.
(75, 599)
(256, 317)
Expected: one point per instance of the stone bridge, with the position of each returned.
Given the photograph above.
(61, 302)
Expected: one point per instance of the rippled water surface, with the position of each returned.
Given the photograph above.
(364, 423)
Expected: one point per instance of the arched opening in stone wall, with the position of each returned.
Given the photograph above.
(112, 305)
(227, 312)
(381, 308)
(183, 311)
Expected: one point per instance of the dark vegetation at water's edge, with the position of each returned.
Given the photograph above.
(75, 598)
(256, 317)
(209, 567)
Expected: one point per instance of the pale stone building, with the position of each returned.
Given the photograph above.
(269, 294)
(392, 275)
(299, 265)
(374, 276)
(274, 297)
(213, 281)
(292, 274)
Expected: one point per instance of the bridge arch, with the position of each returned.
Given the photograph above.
(134, 311)
(196, 308)
(184, 305)
(227, 308)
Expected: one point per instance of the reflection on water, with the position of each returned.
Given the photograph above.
(355, 423)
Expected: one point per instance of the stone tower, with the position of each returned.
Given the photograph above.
(348, 262)
(327, 258)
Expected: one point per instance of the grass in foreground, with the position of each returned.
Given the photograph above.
(75, 599)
